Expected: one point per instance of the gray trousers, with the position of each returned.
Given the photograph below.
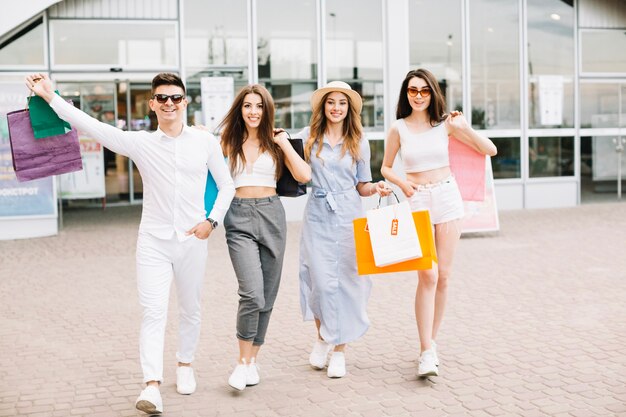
(256, 232)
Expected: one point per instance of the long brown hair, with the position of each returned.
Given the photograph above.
(352, 130)
(437, 107)
(234, 132)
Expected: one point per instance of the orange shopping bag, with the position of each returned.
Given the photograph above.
(365, 256)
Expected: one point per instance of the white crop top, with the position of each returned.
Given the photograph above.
(260, 174)
(423, 151)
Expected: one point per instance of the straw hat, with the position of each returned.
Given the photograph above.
(341, 87)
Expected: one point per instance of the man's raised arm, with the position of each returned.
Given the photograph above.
(113, 138)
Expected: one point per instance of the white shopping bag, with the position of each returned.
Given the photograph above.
(393, 234)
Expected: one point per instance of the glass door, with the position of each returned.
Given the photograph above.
(122, 104)
(602, 139)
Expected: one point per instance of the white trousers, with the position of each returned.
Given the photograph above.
(158, 261)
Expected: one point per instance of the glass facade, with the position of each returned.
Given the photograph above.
(127, 45)
(287, 57)
(24, 47)
(354, 53)
(435, 44)
(520, 69)
(495, 69)
(550, 64)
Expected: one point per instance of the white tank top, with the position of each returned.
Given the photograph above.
(423, 151)
(262, 173)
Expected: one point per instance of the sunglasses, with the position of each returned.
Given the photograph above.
(413, 92)
(162, 98)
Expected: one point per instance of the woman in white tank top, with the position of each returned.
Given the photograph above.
(256, 229)
(421, 136)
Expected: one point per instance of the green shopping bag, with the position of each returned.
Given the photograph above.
(44, 120)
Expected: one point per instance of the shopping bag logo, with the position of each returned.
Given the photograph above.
(394, 227)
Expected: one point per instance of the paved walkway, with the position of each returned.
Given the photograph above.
(536, 327)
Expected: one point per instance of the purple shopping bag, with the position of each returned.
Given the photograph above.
(33, 159)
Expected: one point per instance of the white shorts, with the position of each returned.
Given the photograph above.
(442, 200)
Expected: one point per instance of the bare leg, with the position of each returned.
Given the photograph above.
(245, 351)
(447, 237)
(425, 306)
(255, 351)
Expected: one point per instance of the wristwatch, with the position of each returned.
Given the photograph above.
(214, 223)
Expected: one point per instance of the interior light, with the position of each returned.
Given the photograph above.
(555, 16)
(490, 30)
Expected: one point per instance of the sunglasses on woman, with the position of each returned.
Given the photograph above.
(162, 98)
(413, 92)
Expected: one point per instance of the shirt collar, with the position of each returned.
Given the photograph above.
(161, 135)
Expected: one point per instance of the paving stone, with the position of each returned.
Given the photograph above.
(533, 311)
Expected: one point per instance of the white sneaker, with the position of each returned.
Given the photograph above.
(336, 365)
(185, 380)
(253, 378)
(239, 377)
(149, 401)
(427, 366)
(319, 354)
(433, 347)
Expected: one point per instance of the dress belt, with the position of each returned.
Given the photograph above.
(331, 203)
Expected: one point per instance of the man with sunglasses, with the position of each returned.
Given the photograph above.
(173, 163)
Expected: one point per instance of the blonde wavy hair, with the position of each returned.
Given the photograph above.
(352, 131)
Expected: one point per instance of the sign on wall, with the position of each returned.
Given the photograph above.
(20, 199)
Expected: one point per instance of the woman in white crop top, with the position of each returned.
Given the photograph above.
(255, 224)
(420, 134)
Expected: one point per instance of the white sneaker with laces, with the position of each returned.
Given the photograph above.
(149, 401)
(239, 376)
(253, 378)
(319, 354)
(337, 365)
(185, 380)
(427, 365)
(433, 347)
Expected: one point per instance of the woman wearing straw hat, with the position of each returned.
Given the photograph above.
(331, 291)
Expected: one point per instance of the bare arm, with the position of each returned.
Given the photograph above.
(367, 189)
(221, 175)
(392, 146)
(300, 170)
(457, 126)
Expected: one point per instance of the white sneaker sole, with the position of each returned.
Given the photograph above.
(185, 392)
(427, 374)
(238, 388)
(147, 407)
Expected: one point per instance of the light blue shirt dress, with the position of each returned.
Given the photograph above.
(330, 288)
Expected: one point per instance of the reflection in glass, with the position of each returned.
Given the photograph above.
(506, 164)
(495, 64)
(603, 51)
(551, 156)
(600, 105)
(130, 45)
(216, 33)
(354, 53)
(287, 58)
(25, 47)
(377, 148)
(551, 63)
(194, 95)
(98, 101)
(435, 44)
